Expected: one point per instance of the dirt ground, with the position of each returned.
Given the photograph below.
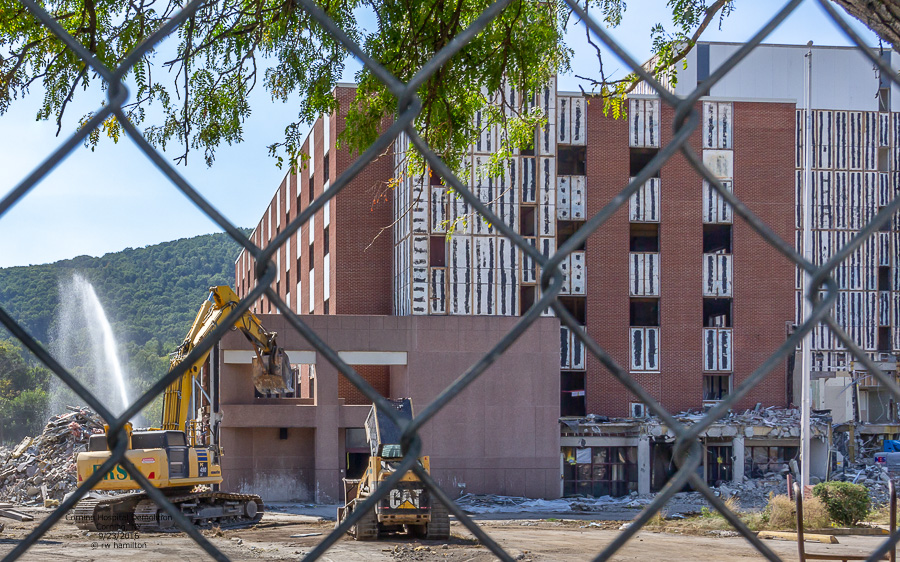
(527, 537)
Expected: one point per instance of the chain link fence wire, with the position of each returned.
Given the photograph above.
(688, 449)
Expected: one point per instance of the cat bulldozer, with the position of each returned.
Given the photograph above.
(409, 506)
(181, 458)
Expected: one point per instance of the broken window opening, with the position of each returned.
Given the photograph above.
(527, 149)
(576, 307)
(599, 471)
(884, 339)
(434, 178)
(718, 464)
(572, 401)
(640, 157)
(644, 237)
(884, 159)
(526, 298)
(884, 278)
(571, 161)
(886, 225)
(762, 461)
(716, 387)
(437, 255)
(565, 230)
(716, 238)
(527, 220)
(644, 312)
(716, 313)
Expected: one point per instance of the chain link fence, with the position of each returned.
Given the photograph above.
(688, 448)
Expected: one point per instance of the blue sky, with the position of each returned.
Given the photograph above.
(114, 198)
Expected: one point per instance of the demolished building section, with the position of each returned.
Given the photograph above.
(41, 470)
(617, 456)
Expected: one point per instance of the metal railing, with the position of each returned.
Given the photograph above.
(687, 450)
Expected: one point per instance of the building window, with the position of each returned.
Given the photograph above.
(760, 461)
(312, 189)
(639, 158)
(526, 298)
(599, 471)
(644, 237)
(884, 100)
(437, 254)
(718, 464)
(572, 402)
(716, 238)
(884, 339)
(571, 161)
(327, 308)
(312, 259)
(644, 312)
(433, 178)
(527, 149)
(528, 221)
(716, 387)
(716, 313)
(565, 230)
(326, 169)
(576, 306)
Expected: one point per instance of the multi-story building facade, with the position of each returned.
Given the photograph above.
(681, 292)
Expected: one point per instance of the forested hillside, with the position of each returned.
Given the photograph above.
(150, 296)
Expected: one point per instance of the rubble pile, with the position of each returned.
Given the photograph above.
(771, 422)
(41, 470)
(753, 493)
(872, 476)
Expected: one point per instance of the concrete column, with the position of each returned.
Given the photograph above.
(643, 461)
(737, 447)
(327, 442)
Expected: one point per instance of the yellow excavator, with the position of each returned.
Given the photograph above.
(408, 506)
(179, 457)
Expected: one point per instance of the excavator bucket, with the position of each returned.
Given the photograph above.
(273, 373)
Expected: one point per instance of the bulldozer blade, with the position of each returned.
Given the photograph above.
(273, 373)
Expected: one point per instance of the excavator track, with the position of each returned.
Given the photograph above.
(139, 512)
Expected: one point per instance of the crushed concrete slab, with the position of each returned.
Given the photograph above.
(41, 470)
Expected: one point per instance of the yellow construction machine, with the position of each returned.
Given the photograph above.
(409, 506)
(181, 455)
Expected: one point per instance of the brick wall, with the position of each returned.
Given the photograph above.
(360, 253)
(764, 279)
(379, 376)
(606, 260)
(763, 286)
(361, 278)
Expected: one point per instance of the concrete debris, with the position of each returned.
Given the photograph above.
(40, 471)
(492, 503)
(771, 422)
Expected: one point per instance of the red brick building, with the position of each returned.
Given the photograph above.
(684, 296)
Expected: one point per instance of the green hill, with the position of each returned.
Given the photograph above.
(150, 296)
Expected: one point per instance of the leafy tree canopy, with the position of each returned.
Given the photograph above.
(199, 92)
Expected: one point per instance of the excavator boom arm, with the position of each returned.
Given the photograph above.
(271, 368)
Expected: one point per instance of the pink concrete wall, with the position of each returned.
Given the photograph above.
(500, 435)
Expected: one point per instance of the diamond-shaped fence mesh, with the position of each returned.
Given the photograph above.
(688, 449)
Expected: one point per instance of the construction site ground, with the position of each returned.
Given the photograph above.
(291, 533)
